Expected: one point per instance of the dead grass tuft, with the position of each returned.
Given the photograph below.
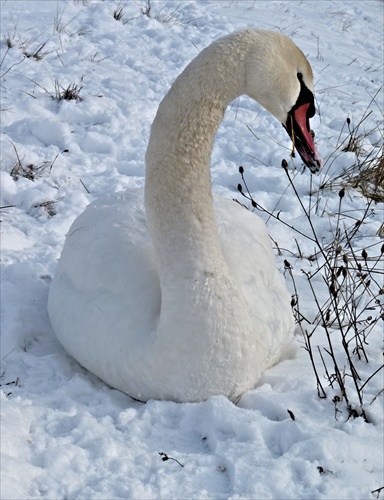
(27, 170)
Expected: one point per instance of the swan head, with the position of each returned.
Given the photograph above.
(280, 78)
(298, 128)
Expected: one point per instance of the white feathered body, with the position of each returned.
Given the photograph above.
(105, 303)
(180, 300)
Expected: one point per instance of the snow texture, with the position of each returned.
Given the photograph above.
(65, 434)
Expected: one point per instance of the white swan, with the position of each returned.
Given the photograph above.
(181, 301)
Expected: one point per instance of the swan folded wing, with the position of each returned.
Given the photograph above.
(105, 298)
(248, 251)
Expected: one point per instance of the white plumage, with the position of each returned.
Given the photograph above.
(180, 300)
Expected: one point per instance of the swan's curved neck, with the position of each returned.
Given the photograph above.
(178, 197)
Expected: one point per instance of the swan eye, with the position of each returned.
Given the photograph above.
(305, 96)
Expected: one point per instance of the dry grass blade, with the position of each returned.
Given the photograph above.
(118, 13)
(370, 181)
(366, 172)
(69, 93)
(164, 15)
(38, 53)
(29, 171)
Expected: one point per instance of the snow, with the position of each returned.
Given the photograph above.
(64, 433)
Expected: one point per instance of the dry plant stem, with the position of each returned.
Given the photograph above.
(335, 304)
(378, 491)
(248, 196)
(12, 66)
(355, 375)
(371, 377)
(353, 291)
(307, 216)
(325, 368)
(5, 53)
(307, 337)
(165, 458)
(339, 378)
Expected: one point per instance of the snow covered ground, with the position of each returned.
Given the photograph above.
(65, 434)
